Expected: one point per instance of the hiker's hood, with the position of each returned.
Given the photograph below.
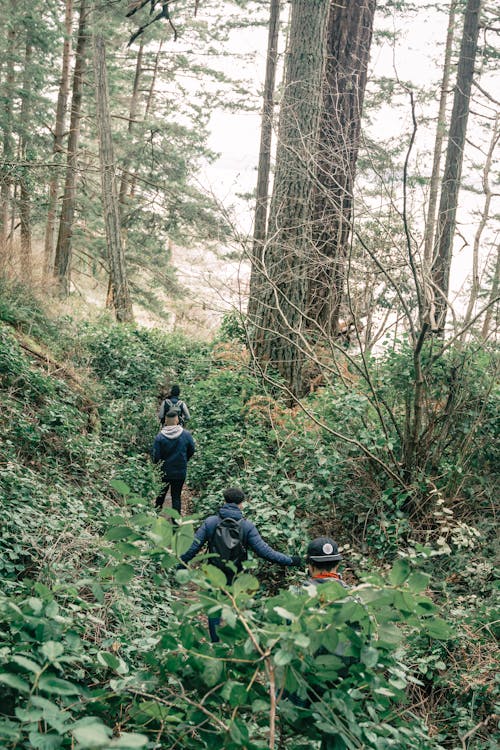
(231, 510)
(171, 431)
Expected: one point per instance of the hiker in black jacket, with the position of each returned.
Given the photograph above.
(249, 536)
(173, 446)
(174, 402)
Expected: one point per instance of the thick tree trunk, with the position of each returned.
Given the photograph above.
(64, 245)
(279, 320)
(118, 277)
(24, 182)
(438, 143)
(453, 167)
(349, 37)
(57, 149)
(7, 156)
(264, 166)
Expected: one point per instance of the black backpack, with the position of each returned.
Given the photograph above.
(227, 543)
(168, 404)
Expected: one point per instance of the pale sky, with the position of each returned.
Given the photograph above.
(415, 57)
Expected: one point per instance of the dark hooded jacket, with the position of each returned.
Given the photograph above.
(173, 446)
(250, 536)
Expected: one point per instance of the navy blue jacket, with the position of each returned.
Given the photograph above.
(174, 453)
(250, 537)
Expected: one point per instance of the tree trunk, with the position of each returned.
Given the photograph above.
(24, 186)
(349, 37)
(64, 245)
(485, 214)
(7, 156)
(118, 277)
(149, 104)
(495, 284)
(279, 319)
(453, 167)
(438, 143)
(134, 106)
(266, 133)
(57, 149)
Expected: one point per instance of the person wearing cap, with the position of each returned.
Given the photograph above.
(173, 402)
(323, 559)
(173, 447)
(232, 508)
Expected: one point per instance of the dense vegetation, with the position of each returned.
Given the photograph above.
(103, 643)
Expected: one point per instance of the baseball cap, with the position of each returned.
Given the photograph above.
(323, 549)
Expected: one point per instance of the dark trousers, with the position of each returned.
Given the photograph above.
(175, 484)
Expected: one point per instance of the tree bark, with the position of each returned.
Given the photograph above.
(24, 186)
(8, 155)
(453, 167)
(57, 149)
(118, 277)
(438, 143)
(279, 319)
(350, 28)
(495, 284)
(264, 166)
(64, 245)
(485, 213)
(133, 109)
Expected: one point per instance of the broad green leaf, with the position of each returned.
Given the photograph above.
(121, 487)
(107, 659)
(285, 614)
(418, 581)
(26, 663)
(56, 686)
(129, 741)
(245, 582)
(212, 672)
(27, 715)
(215, 576)
(438, 628)
(123, 573)
(369, 656)
(45, 741)
(51, 650)
(13, 681)
(91, 733)
(282, 657)
(119, 532)
(400, 572)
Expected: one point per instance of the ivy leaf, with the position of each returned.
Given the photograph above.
(400, 572)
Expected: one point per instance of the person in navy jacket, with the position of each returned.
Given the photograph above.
(251, 539)
(173, 446)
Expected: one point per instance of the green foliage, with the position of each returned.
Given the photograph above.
(103, 645)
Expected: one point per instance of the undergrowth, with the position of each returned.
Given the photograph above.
(101, 645)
